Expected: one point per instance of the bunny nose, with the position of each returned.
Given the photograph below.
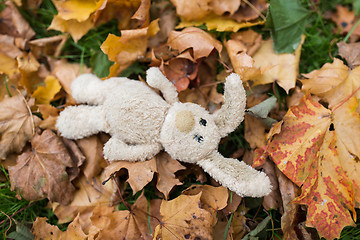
(184, 121)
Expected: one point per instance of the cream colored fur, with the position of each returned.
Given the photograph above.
(142, 123)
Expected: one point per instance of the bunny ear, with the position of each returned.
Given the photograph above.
(236, 175)
(231, 114)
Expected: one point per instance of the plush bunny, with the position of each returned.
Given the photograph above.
(142, 123)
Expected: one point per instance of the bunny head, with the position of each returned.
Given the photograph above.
(189, 132)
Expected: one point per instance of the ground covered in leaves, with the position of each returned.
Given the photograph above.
(299, 61)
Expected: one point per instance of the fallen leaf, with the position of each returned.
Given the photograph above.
(77, 9)
(89, 195)
(8, 65)
(249, 10)
(127, 48)
(166, 168)
(225, 6)
(183, 218)
(17, 124)
(43, 95)
(219, 23)
(42, 230)
(75, 28)
(201, 42)
(92, 147)
(40, 172)
(124, 224)
(181, 72)
(318, 150)
(9, 47)
(254, 132)
(142, 14)
(334, 82)
(13, 23)
(192, 10)
(273, 200)
(282, 68)
(350, 52)
(140, 173)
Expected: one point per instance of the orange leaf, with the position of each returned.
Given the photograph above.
(319, 150)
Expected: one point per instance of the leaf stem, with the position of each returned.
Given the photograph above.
(352, 94)
(7, 87)
(351, 30)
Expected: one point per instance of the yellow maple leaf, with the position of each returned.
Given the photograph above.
(77, 9)
(8, 65)
(127, 48)
(44, 94)
(76, 29)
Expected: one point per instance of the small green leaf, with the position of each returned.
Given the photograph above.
(286, 20)
(260, 227)
(100, 64)
(21, 233)
(262, 109)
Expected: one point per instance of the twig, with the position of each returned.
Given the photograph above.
(255, 9)
(21, 209)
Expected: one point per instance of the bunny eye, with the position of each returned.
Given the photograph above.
(203, 122)
(198, 138)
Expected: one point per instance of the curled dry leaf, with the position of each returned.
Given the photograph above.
(42, 230)
(127, 48)
(17, 124)
(182, 218)
(201, 42)
(282, 68)
(40, 172)
(109, 224)
(334, 82)
(318, 150)
(44, 94)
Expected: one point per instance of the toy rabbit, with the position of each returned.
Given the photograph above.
(142, 123)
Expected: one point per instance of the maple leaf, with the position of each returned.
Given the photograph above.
(183, 218)
(17, 124)
(42, 230)
(345, 20)
(319, 150)
(133, 224)
(141, 173)
(127, 48)
(41, 171)
(334, 82)
(282, 68)
(201, 42)
(77, 9)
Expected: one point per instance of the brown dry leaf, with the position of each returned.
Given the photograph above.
(11, 83)
(89, 195)
(44, 231)
(49, 46)
(17, 124)
(183, 218)
(181, 72)
(133, 225)
(9, 47)
(201, 42)
(334, 82)
(282, 68)
(40, 172)
(8, 65)
(92, 148)
(247, 13)
(166, 169)
(128, 48)
(225, 6)
(273, 200)
(75, 28)
(192, 10)
(140, 173)
(142, 14)
(345, 20)
(351, 53)
(13, 23)
(49, 114)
